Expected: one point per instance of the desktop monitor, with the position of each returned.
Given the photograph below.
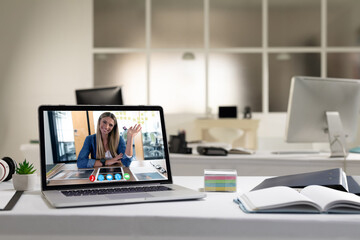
(99, 96)
(322, 110)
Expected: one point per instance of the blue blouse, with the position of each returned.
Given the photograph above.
(89, 147)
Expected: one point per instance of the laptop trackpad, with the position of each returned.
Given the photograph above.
(128, 196)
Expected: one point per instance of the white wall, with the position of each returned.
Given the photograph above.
(45, 54)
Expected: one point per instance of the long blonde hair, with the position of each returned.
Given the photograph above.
(113, 138)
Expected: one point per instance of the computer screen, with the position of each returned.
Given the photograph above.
(322, 110)
(81, 131)
(99, 96)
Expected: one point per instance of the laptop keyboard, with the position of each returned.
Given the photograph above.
(102, 191)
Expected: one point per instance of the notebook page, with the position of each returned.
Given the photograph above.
(274, 197)
(327, 197)
(6, 196)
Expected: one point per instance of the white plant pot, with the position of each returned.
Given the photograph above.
(24, 182)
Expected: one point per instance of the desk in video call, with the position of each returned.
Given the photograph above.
(138, 171)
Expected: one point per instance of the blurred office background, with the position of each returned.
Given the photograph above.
(190, 56)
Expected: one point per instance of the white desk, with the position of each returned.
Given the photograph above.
(261, 164)
(215, 217)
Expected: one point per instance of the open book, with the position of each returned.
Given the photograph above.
(311, 199)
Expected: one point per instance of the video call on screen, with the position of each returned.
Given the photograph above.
(65, 134)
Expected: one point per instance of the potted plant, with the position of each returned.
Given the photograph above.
(25, 177)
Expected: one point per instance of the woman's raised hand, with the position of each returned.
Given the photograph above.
(134, 130)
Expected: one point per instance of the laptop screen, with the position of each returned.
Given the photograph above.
(104, 145)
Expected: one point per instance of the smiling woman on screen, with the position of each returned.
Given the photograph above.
(107, 147)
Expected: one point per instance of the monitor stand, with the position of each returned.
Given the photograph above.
(336, 135)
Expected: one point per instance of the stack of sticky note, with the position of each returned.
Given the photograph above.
(220, 180)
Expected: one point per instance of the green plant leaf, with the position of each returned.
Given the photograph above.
(25, 168)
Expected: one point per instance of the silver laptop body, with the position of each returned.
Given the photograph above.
(65, 182)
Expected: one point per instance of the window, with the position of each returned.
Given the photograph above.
(193, 55)
(62, 136)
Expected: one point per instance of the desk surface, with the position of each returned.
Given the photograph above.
(215, 217)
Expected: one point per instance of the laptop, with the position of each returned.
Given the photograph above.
(72, 176)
